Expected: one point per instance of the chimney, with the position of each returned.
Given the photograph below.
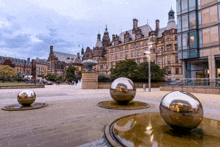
(157, 24)
(113, 37)
(28, 59)
(135, 24)
(78, 56)
(51, 49)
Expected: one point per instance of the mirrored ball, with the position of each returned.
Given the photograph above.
(181, 110)
(26, 97)
(122, 90)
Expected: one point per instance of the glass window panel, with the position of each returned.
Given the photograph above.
(179, 42)
(200, 19)
(185, 23)
(192, 20)
(218, 12)
(180, 55)
(214, 34)
(185, 55)
(199, 4)
(200, 38)
(213, 14)
(178, 7)
(193, 39)
(184, 6)
(205, 37)
(178, 24)
(193, 54)
(185, 41)
(192, 5)
(205, 16)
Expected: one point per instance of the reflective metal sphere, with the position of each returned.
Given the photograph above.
(181, 110)
(26, 97)
(122, 90)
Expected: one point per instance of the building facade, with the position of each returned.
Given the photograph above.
(58, 63)
(39, 68)
(198, 38)
(161, 42)
(22, 66)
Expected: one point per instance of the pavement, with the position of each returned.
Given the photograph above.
(73, 117)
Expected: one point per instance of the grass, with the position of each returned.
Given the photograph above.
(2, 84)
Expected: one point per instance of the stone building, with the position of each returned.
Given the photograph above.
(99, 51)
(161, 42)
(58, 63)
(198, 38)
(39, 68)
(22, 66)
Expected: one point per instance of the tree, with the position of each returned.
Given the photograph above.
(157, 74)
(7, 71)
(127, 68)
(70, 74)
(19, 78)
(104, 78)
(51, 77)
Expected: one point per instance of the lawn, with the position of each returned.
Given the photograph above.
(1, 84)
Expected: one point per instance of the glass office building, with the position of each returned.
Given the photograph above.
(198, 37)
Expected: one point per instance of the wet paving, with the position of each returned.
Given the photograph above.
(72, 117)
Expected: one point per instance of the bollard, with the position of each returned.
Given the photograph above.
(144, 87)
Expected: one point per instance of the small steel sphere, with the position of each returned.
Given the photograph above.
(122, 90)
(181, 110)
(26, 97)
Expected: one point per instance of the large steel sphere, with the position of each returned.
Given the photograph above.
(122, 90)
(181, 110)
(26, 97)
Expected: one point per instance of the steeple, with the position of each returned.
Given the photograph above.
(99, 35)
(82, 51)
(171, 14)
(98, 43)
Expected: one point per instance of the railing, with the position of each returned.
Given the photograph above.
(194, 82)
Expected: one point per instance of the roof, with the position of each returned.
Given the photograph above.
(171, 24)
(145, 29)
(65, 57)
(16, 60)
(98, 43)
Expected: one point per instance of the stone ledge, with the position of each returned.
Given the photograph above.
(206, 90)
(21, 86)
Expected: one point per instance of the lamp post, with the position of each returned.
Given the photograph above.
(149, 73)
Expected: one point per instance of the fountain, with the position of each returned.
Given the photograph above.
(89, 77)
(179, 123)
(123, 91)
(26, 100)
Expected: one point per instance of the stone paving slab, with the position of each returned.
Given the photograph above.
(74, 119)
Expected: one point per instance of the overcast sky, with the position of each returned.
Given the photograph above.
(29, 27)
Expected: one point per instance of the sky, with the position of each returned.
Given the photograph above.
(29, 27)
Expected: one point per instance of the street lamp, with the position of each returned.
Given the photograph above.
(149, 73)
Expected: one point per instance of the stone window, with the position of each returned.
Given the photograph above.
(169, 47)
(169, 71)
(111, 57)
(176, 59)
(169, 59)
(101, 66)
(126, 55)
(116, 57)
(159, 50)
(132, 54)
(168, 38)
(138, 53)
(177, 70)
(111, 51)
(121, 56)
(159, 61)
(138, 62)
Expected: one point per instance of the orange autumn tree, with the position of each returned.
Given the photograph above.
(7, 71)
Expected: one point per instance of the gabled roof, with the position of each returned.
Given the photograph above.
(65, 57)
(145, 29)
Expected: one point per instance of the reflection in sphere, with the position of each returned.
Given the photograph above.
(181, 110)
(26, 97)
(122, 90)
